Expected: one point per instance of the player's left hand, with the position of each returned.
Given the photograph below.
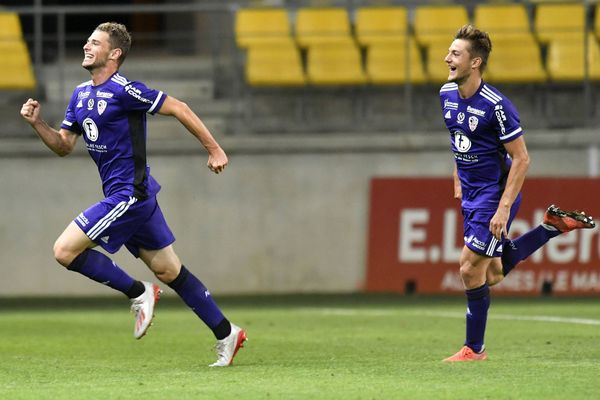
(217, 160)
(499, 222)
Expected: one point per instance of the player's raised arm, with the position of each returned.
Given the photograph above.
(61, 142)
(217, 159)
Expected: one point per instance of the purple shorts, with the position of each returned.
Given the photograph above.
(123, 220)
(476, 225)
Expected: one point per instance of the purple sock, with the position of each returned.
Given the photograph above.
(197, 297)
(519, 249)
(478, 303)
(97, 266)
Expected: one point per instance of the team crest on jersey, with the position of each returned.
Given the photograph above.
(473, 121)
(90, 129)
(460, 117)
(90, 104)
(461, 142)
(101, 106)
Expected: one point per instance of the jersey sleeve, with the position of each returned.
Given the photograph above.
(506, 121)
(138, 97)
(70, 122)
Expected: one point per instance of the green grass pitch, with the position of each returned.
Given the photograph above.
(301, 347)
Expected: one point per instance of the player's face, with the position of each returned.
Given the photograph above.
(459, 61)
(96, 51)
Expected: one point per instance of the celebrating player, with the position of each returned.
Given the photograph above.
(109, 111)
(491, 162)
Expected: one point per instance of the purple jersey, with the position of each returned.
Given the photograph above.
(479, 126)
(112, 119)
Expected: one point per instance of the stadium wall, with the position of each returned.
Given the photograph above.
(289, 214)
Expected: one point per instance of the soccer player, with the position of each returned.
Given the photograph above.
(491, 162)
(109, 111)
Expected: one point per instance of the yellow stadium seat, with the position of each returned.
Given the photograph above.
(434, 24)
(436, 68)
(566, 59)
(258, 25)
(16, 71)
(502, 20)
(381, 24)
(597, 21)
(335, 64)
(274, 65)
(506, 63)
(322, 25)
(555, 21)
(10, 26)
(389, 63)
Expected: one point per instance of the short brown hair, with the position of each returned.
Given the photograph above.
(118, 37)
(480, 44)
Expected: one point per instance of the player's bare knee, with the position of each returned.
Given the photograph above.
(62, 254)
(468, 273)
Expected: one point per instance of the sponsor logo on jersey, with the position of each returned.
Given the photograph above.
(460, 118)
(478, 244)
(450, 104)
(101, 106)
(104, 95)
(82, 219)
(473, 122)
(498, 110)
(448, 114)
(136, 93)
(90, 129)
(83, 95)
(461, 142)
(475, 111)
(105, 239)
(80, 104)
(90, 105)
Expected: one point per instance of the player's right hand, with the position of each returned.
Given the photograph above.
(30, 111)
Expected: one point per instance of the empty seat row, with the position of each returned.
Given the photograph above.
(394, 54)
(16, 71)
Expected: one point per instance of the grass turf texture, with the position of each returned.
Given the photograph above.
(303, 347)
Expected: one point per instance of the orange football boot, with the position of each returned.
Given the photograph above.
(467, 354)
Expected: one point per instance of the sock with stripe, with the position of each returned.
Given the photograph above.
(478, 303)
(515, 251)
(198, 298)
(100, 268)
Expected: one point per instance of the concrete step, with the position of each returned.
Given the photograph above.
(165, 128)
(197, 89)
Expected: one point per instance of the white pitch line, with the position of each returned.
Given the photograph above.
(442, 314)
(509, 317)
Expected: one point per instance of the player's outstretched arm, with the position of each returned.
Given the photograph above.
(61, 142)
(217, 159)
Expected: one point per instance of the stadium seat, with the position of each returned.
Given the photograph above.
(322, 25)
(566, 59)
(10, 27)
(274, 65)
(16, 71)
(434, 24)
(597, 21)
(388, 63)
(381, 24)
(559, 21)
(436, 68)
(506, 65)
(502, 20)
(334, 64)
(260, 26)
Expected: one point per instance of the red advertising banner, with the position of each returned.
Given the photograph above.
(416, 236)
